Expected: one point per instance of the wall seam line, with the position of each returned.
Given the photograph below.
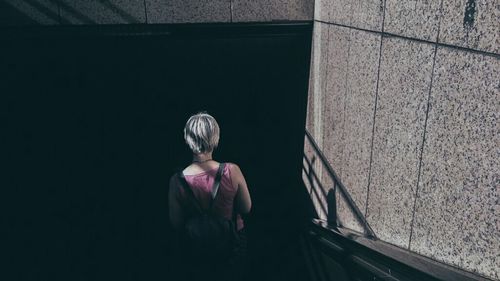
(422, 149)
(375, 113)
(350, 13)
(424, 134)
(387, 34)
(345, 98)
(325, 93)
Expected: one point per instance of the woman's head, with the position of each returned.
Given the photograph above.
(201, 133)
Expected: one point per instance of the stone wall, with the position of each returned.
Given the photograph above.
(404, 101)
(69, 12)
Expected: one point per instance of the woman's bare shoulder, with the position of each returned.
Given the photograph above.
(235, 172)
(233, 167)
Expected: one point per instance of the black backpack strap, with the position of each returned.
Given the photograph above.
(189, 191)
(217, 180)
(234, 215)
(216, 184)
(215, 188)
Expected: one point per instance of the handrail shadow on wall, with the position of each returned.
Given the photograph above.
(330, 197)
(61, 6)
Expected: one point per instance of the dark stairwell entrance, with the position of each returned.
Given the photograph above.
(92, 131)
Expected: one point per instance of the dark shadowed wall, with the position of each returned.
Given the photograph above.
(92, 124)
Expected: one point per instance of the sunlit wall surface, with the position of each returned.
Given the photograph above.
(404, 102)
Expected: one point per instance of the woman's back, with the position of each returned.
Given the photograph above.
(201, 182)
(201, 134)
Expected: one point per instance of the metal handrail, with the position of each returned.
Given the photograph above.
(361, 255)
(369, 231)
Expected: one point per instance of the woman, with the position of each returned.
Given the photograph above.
(196, 181)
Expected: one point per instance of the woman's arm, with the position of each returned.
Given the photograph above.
(175, 210)
(242, 200)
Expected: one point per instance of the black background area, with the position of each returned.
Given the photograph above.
(92, 130)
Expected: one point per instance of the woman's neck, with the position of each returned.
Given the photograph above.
(202, 157)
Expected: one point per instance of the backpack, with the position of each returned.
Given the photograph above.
(206, 234)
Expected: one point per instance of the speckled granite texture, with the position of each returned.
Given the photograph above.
(472, 24)
(366, 14)
(457, 217)
(434, 180)
(346, 216)
(321, 10)
(320, 45)
(254, 11)
(299, 9)
(335, 11)
(274, 10)
(358, 115)
(188, 11)
(416, 19)
(326, 179)
(405, 79)
(314, 113)
(310, 95)
(102, 12)
(330, 91)
(20, 13)
(319, 190)
(313, 77)
(334, 100)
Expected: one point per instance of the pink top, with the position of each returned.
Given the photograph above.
(202, 183)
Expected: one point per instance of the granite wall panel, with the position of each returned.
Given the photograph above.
(358, 115)
(300, 10)
(310, 101)
(188, 11)
(334, 99)
(472, 24)
(434, 173)
(457, 212)
(275, 10)
(322, 10)
(317, 84)
(404, 83)
(320, 45)
(346, 216)
(416, 19)
(338, 11)
(366, 14)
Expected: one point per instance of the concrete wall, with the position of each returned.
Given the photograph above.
(68, 12)
(404, 101)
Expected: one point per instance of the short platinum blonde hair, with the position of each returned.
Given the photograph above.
(201, 133)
